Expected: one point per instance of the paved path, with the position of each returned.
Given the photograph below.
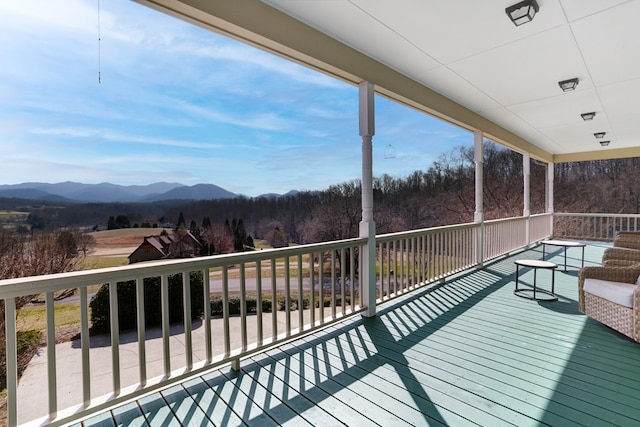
(32, 395)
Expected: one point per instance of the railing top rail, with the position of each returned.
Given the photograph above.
(499, 220)
(610, 215)
(541, 214)
(51, 282)
(424, 231)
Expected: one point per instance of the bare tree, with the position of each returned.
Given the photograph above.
(34, 255)
(217, 240)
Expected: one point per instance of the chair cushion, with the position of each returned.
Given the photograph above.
(616, 292)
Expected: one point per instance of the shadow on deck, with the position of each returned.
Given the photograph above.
(469, 352)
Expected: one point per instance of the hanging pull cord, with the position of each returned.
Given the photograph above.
(99, 65)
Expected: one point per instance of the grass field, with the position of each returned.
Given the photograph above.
(124, 237)
(11, 220)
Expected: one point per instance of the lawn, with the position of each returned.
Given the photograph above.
(10, 220)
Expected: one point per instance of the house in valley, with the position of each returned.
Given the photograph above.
(181, 244)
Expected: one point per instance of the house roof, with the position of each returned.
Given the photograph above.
(161, 243)
(465, 62)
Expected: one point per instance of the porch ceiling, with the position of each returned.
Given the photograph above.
(465, 61)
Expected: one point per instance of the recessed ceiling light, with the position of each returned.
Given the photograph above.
(599, 135)
(568, 85)
(588, 116)
(604, 143)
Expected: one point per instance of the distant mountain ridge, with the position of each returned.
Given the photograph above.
(75, 192)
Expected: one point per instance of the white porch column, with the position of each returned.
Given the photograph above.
(478, 216)
(367, 225)
(549, 194)
(526, 172)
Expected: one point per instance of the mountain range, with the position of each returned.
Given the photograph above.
(75, 192)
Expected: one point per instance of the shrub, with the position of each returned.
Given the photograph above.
(327, 301)
(27, 344)
(127, 309)
(234, 305)
(293, 303)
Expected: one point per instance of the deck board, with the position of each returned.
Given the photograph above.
(129, 415)
(299, 403)
(467, 353)
(218, 411)
(157, 412)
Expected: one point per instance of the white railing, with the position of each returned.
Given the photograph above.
(540, 226)
(279, 293)
(593, 226)
(502, 236)
(410, 259)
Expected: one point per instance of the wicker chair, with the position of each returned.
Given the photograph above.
(610, 295)
(620, 257)
(627, 239)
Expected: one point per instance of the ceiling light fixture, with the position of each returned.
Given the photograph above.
(599, 135)
(588, 116)
(604, 143)
(568, 85)
(523, 12)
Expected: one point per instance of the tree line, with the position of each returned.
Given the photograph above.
(443, 194)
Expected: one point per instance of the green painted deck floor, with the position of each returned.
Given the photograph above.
(467, 353)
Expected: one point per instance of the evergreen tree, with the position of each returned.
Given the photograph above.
(239, 235)
(122, 221)
(249, 243)
(181, 221)
(206, 223)
(195, 230)
(111, 223)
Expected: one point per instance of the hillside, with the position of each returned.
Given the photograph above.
(75, 192)
(442, 195)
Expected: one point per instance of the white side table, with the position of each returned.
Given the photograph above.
(536, 264)
(565, 244)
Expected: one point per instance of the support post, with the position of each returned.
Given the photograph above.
(526, 172)
(549, 195)
(478, 216)
(367, 225)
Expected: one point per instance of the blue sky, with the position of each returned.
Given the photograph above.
(177, 103)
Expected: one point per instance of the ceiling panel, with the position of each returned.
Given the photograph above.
(547, 57)
(349, 24)
(622, 111)
(578, 9)
(503, 117)
(450, 30)
(610, 43)
(470, 52)
(456, 88)
(560, 110)
(566, 137)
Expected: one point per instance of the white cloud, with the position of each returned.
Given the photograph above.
(110, 135)
(270, 121)
(177, 103)
(49, 17)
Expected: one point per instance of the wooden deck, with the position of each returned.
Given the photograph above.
(466, 353)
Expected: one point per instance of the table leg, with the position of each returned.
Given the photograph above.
(535, 270)
(565, 258)
(517, 275)
(553, 281)
(583, 256)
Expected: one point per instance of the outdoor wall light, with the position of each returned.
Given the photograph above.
(604, 143)
(523, 12)
(568, 85)
(588, 116)
(599, 135)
